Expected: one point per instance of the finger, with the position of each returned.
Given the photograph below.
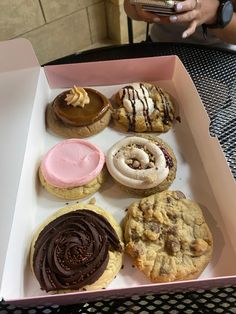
(185, 17)
(146, 16)
(187, 5)
(164, 19)
(189, 31)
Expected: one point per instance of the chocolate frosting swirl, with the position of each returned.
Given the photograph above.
(72, 250)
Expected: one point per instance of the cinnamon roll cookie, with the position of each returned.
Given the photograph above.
(168, 237)
(142, 164)
(78, 112)
(73, 169)
(143, 107)
(78, 248)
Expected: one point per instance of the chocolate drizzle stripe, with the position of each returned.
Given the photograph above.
(166, 104)
(146, 109)
(131, 97)
(127, 115)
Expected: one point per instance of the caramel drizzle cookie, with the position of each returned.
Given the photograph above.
(144, 107)
(80, 106)
(78, 112)
(140, 163)
(167, 236)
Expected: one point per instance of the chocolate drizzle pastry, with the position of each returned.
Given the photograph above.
(144, 107)
(72, 250)
(133, 95)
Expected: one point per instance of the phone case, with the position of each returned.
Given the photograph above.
(160, 7)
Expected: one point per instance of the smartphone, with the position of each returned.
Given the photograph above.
(160, 7)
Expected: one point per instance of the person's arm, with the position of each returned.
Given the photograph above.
(191, 12)
(205, 11)
(227, 34)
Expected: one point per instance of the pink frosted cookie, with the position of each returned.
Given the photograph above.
(72, 169)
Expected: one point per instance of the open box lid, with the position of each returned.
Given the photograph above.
(19, 72)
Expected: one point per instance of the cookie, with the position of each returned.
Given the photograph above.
(78, 113)
(143, 107)
(73, 169)
(167, 236)
(142, 165)
(78, 248)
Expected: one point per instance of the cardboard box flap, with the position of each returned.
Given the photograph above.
(17, 54)
(105, 72)
(19, 72)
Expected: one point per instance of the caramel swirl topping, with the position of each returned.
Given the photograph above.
(72, 250)
(77, 96)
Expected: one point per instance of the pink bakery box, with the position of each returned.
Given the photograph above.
(203, 174)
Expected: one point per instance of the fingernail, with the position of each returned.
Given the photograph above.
(179, 6)
(185, 35)
(173, 18)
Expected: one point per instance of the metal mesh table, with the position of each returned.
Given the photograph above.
(214, 74)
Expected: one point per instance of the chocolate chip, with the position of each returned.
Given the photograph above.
(178, 118)
(153, 226)
(180, 195)
(169, 200)
(172, 216)
(134, 236)
(172, 231)
(172, 246)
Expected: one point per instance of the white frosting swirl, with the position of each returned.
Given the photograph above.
(137, 162)
(135, 96)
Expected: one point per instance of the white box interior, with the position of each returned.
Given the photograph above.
(34, 204)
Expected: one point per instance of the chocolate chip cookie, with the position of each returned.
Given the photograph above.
(167, 236)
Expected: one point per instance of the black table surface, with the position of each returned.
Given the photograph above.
(214, 73)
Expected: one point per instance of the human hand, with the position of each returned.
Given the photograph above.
(137, 13)
(191, 12)
(195, 12)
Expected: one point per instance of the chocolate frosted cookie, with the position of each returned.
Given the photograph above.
(143, 107)
(167, 236)
(142, 165)
(78, 248)
(78, 112)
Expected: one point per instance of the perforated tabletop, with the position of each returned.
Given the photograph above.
(214, 74)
